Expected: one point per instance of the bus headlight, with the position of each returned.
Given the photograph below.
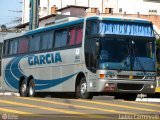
(151, 86)
(112, 76)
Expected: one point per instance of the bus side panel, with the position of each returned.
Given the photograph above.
(52, 71)
(71, 66)
(56, 75)
(9, 80)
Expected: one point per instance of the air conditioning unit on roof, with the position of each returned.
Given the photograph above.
(63, 20)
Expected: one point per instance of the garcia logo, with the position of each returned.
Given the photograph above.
(44, 59)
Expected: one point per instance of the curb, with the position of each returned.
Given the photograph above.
(9, 94)
(156, 100)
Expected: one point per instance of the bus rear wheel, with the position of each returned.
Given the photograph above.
(23, 89)
(31, 88)
(82, 90)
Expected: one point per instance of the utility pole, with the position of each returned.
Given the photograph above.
(88, 3)
(34, 14)
(88, 6)
(61, 3)
(102, 6)
(48, 3)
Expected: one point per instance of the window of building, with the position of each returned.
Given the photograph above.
(108, 10)
(152, 11)
(120, 10)
(60, 38)
(47, 40)
(23, 45)
(44, 9)
(94, 10)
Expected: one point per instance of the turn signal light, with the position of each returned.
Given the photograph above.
(101, 76)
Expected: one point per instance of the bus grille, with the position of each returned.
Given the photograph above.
(127, 77)
(124, 86)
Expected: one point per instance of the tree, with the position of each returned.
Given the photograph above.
(158, 55)
(3, 28)
(158, 43)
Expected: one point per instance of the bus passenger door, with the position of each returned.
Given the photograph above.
(91, 62)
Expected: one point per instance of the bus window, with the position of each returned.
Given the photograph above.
(60, 38)
(13, 47)
(34, 43)
(72, 32)
(79, 36)
(23, 45)
(92, 27)
(5, 49)
(47, 40)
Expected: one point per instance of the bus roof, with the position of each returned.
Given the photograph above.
(81, 20)
(108, 18)
(55, 26)
(120, 19)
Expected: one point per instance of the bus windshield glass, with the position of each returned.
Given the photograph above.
(126, 54)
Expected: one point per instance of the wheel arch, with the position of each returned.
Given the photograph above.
(78, 78)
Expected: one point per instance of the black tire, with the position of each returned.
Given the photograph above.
(118, 96)
(81, 90)
(31, 88)
(77, 94)
(23, 89)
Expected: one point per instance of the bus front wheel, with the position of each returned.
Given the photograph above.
(23, 89)
(83, 93)
(31, 88)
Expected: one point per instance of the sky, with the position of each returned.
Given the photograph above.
(7, 16)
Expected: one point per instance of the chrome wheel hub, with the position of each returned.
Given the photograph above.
(24, 87)
(31, 90)
(84, 88)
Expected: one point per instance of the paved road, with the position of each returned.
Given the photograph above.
(21, 108)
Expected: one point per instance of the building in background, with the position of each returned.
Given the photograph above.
(49, 9)
(144, 7)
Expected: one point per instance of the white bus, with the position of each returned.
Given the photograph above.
(89, 56)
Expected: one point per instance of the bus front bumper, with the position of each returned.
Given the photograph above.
(126, 86)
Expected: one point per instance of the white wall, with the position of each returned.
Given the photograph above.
(134, 6)
(130, 6)
(25, 11)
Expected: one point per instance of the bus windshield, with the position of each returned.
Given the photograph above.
(126, 54)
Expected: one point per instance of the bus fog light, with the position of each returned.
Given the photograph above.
(90, 84)
(152, 86)
(109, 87)
(107, 84)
